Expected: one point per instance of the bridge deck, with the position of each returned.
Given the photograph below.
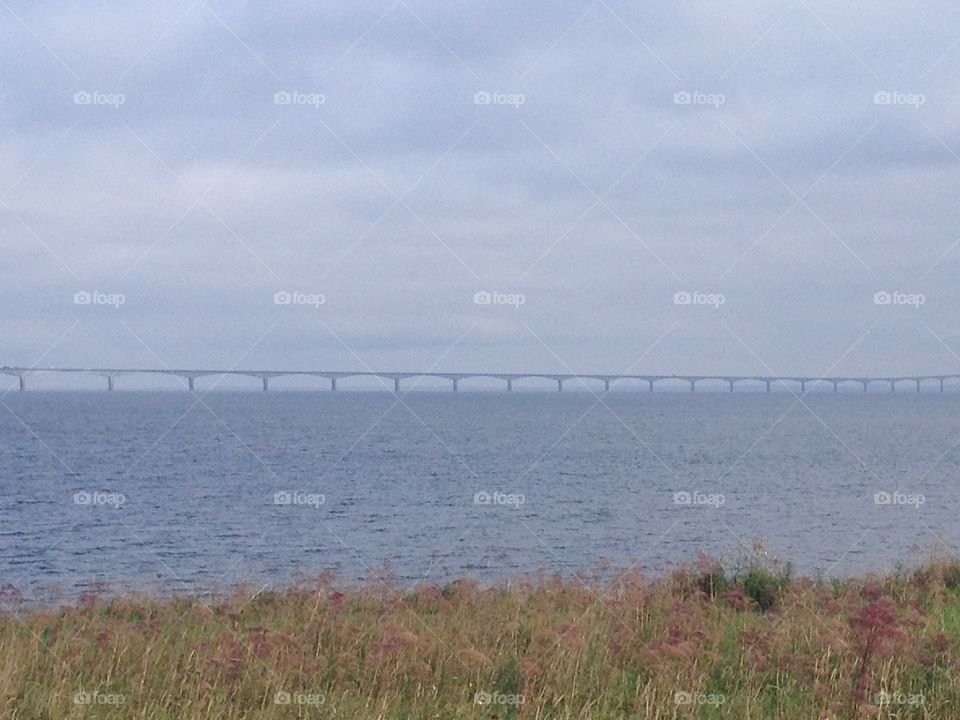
(191, 374)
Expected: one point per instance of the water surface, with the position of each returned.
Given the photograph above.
(582, 481)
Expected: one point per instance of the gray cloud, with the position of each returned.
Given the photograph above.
(595, 194)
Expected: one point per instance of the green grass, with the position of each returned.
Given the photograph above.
(749, 641)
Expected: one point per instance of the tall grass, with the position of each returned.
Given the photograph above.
(750, 641)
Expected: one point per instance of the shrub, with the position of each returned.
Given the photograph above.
(762, 578)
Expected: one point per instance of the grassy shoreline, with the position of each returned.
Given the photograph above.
(706, 641)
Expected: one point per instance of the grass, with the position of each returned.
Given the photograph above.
(747, 641)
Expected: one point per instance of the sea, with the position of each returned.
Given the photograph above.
(174, 492)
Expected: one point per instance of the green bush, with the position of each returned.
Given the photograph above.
(762, 578)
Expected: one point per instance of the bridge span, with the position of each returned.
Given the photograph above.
(790, 382)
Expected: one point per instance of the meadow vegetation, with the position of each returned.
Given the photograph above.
(740, 640)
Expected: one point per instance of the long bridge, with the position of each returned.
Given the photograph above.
(191, 375)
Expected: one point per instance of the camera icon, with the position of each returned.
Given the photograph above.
(82, 498)
(282, 98)
(682, 498)
(281, 698)
(882, 298)
(682, 298)
(882, 498)
(482, 498)
(882, 98)
(82, 298)
(682, 98)
(82, 697)
(82, 98)
(282, 497)
(282, 298)
(482, 98)
(482, 698)
(682, 698)
(482, 298)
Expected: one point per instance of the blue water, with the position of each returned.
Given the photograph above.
(182, 493)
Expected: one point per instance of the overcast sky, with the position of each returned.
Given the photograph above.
(586, 164)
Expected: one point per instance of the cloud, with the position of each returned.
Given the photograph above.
(624, 154)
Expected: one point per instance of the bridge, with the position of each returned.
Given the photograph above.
(191, 375)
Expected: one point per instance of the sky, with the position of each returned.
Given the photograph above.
(610, 187)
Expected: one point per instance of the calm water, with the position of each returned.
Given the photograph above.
(381, 482)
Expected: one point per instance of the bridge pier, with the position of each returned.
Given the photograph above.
(834, 385)
(864, 385)
(396, 385)
(606, 386)
(731, 385)
(693, 386)
(768, 385)
(266, 383)
(941, 384)
(509, 384)
(23, 383)
(803, 387)
(190, 383)
(333, 384)
(455, 382)
(893, 386)
(559, 385)
(110, 382)
(649, 385)
(918, 384)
